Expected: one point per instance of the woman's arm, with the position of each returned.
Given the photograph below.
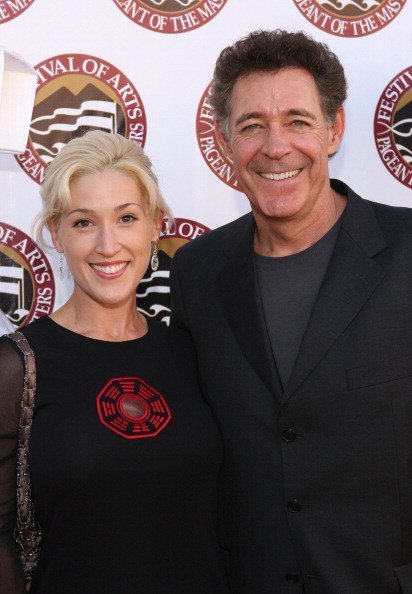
(11, 385)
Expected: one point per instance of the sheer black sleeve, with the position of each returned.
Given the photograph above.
(11, 385)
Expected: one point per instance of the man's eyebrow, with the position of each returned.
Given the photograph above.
(301, 112)
(255, 115)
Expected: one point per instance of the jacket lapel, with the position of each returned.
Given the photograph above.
(241, 301)
(351, 278)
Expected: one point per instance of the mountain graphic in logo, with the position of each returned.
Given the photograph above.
(64, 115)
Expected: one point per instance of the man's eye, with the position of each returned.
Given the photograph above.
(251, 127)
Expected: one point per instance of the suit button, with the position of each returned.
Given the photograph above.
(294, 506)
(288, 435)
(292, 578)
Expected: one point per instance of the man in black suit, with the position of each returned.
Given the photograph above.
(301, 313)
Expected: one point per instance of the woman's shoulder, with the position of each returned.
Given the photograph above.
(10, 354)
(169, 332)
(38, 326)
(172, 336)
(11, 374)
(11, 351)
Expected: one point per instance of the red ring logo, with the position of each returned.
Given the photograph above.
(132, 408)
(11, 10)
(212, 151)
(392, 127)
(76, 93)
(347, 18)
(27, 288)
(170, 16)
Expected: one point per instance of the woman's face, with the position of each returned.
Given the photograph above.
(106, 236)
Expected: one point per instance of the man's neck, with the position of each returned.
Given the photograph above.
(277, 238)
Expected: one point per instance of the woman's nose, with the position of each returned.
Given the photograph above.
(108, 244)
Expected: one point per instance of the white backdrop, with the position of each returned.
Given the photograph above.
(116, 57)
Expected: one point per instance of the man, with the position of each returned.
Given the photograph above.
(301, 313)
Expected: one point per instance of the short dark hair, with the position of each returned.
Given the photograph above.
(270, 51)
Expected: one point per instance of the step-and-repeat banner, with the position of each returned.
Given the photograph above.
(143, 68)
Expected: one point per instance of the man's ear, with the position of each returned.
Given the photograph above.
(336, 131)
(224, 142)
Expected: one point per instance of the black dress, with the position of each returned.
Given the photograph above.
(124, 458)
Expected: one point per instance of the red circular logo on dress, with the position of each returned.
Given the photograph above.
(132, 408)
(77, 93)
(350, 18)
(211, 149)
(170, 16)
(10, 9)
(26, 279)
(393, 127)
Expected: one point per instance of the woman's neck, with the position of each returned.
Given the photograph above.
(100, 321)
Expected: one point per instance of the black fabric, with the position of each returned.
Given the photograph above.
(317, 478)
(405, 577)
(118, 514)
(11, 386)
(288, 288)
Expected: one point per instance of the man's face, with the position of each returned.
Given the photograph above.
(279, 141)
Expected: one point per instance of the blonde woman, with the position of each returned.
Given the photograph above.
(123, 452)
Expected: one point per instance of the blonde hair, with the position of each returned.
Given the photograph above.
(94, 152)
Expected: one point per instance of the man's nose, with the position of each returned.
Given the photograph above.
(276, 143)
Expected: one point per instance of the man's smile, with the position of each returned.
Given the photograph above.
(280, 176)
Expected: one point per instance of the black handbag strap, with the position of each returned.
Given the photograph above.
(27, 534)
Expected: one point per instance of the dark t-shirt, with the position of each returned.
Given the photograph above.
(288, 287)
(124, 457)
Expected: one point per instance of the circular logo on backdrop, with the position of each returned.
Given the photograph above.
(350, 18)
(393, 127)
(170, 16)
(153, 291)
(209, 145)
(26, 278)
(10, 9)
(77, 93)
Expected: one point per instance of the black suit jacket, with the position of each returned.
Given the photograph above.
(317, 483)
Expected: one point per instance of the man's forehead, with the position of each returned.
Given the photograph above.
(287, 89)
(289, 71)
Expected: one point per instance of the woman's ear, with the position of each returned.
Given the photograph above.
(53, 229)
(157, 227)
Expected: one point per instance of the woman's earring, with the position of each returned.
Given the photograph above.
(154, 260)
(61, 268)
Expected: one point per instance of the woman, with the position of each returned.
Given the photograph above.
(123, 453)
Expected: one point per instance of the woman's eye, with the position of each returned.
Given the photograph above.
(128, 218)
(82, 223)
